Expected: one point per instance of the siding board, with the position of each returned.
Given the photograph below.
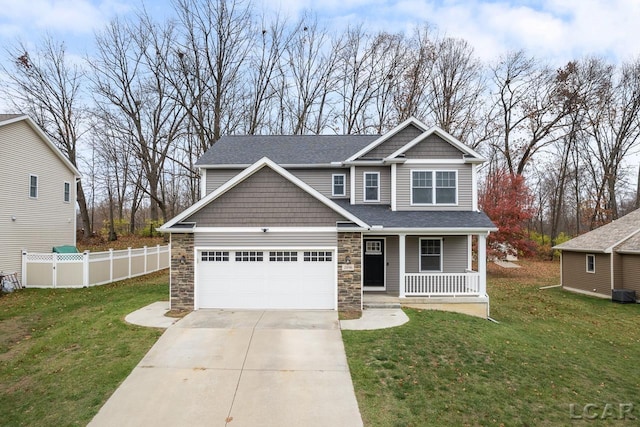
(265, 199)
(266, 240)
(394, 143)
(40, 223)
(630, 273)
(385, 184)
(433, 147)
(321, 180)
(217, 177)
(574, 273)
(465, 187)
(454, 251)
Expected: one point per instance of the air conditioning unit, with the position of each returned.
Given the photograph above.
(623, 296)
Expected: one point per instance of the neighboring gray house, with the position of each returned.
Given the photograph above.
(325, 222)
(37, 192)
(604, 259)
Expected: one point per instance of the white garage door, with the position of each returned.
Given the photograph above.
(266, 279)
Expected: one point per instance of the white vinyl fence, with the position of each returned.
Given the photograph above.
(54, 270)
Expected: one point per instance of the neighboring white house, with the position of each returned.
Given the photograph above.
(37, 192)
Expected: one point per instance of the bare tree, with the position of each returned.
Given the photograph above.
(48, 87)
(457, 88)
(133, 97)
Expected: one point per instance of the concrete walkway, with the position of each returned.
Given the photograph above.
(239, 368)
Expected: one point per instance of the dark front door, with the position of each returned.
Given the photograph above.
(374, 263)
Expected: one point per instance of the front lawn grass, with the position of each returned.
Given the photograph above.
(551, 349)
(63, 352)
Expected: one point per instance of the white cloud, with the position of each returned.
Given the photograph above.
(71, 16)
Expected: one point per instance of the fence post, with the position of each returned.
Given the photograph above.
(24, 267)
(129, 257)
(54, 273)
(110, 265)
(85, 269)
(145, 259)
(157, 258)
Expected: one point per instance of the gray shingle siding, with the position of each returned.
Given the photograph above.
(267, 240)
(394, 143)
(433, 147)
(265, 199)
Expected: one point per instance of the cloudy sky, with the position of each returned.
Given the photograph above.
(553, 30)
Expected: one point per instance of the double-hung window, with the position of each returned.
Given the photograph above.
(433, 187)
(33, 186)
(67, 192)
(591, 263)
(338, 185)
(372, 186)
(430, 254)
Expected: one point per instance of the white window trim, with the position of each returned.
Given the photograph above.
(587, 263)
(64, 192)
(433, 193)
(441, 254)
(37, 186)
(333, 185)
(364, 187)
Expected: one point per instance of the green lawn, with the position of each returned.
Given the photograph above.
(551, 349)
(63, 352)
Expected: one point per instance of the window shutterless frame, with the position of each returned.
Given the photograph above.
(67, 192)
(434, 187)
(33, 186)
(591, 263)
(371, 186)
(430, 257)
(338, 185)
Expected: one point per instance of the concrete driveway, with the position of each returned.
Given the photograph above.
(240, 368)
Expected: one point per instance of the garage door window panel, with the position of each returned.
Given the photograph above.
(215, 256)
(317, 256)
(249, 256)
(283, 256)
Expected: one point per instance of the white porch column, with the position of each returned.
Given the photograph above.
(482, 263)
(401, 267)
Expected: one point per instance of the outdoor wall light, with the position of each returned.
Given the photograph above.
(183, 260)
(13, 218)
(264, 230)
(347, 259)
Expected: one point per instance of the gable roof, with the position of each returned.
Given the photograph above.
(607, 237)
(381, 139)
(283, 149)
(264, 162)
(6, 119)
(434, 130)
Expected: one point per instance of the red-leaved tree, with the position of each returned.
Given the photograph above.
(506, 199)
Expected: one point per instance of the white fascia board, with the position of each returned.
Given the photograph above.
(265, 161)
(434, 162)
(621, 241)
(433, 231)
(261, 230)
(442, 134)
(46, 139)
(386, 136)
(364, 163)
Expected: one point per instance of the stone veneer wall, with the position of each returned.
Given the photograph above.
(350, 281)
(181, 282)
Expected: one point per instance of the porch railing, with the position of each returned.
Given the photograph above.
(442, 284)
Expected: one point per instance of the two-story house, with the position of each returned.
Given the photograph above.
(323, 221)
(37, 192)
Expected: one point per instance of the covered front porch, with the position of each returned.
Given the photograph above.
(426, 271)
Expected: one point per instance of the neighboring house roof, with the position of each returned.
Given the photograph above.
(609, 236)
(264, 162)
(382, 215)
(6, 119)
(283, 149)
